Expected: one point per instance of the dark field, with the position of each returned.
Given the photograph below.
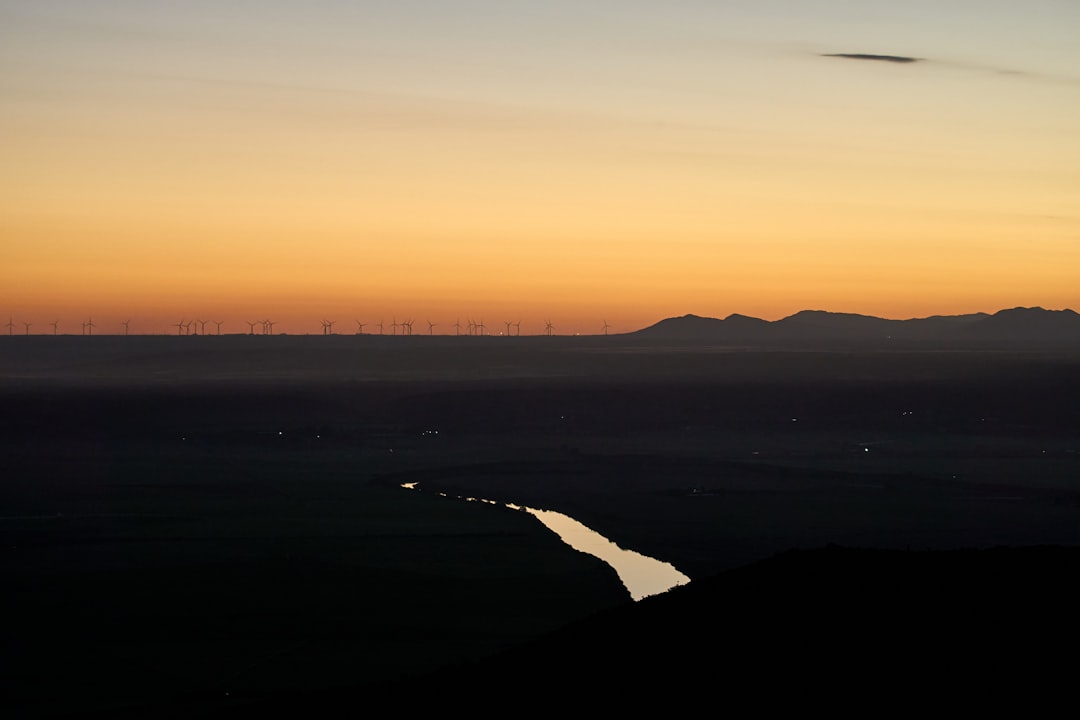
(191, 523)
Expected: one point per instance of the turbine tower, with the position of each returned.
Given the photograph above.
(180, 327)
(125, 324)
(219, 323)
(251, 326)
(55, 324)
(430, 327)
(90, 326)
(268, 327)
(27, 327)
(380, 327)
(457, 326)
(606, 326)
(10, 325)
(202, 327)
(360, 327)
(548, 327)
(517, 328)
(508, 323)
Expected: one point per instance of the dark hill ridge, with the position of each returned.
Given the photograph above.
(853, 628)
(809, 619)
(1016, 328)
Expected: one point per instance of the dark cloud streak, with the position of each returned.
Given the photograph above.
(1071, 80)
(869, 56)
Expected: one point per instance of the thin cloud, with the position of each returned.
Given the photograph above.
(971, 67)
(869, 56)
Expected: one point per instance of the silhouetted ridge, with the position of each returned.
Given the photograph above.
(819, 323)
(736, 320)
(687, 327)
(830, 624)
(1029, 324)
(1020, 328)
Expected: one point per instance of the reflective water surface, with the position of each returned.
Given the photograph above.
(642, 575)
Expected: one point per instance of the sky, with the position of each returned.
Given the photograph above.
(582, 161)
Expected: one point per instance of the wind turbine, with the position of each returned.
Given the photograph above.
(202, 327)
(508, 324)
(394, 326)
(407, 324)
(360, 327)
(180, 326)
(329, 326)
(90, 326)
(268, 327)
(548, 327)
(430, 327)
(517, 328)
(187, 327)
(10, 325)
(251, 327)
(54, 324)
(27, 327)
(380, 327)
(606, 326)
(480, 325)
(219, 323)
(125, 324)
(457, 326)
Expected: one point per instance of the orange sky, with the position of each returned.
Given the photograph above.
(624, 166)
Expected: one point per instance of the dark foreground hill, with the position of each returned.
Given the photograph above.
(836, 627)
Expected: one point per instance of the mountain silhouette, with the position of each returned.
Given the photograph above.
(1022, 324)
(1018, 328)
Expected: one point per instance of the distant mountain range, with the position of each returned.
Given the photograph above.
(1006, 329)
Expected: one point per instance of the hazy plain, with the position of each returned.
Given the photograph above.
(194, 522)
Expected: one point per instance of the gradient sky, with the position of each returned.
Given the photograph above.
(580, 161)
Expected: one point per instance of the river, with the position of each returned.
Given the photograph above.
(641, 575)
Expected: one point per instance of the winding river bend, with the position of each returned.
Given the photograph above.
(642, 575)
